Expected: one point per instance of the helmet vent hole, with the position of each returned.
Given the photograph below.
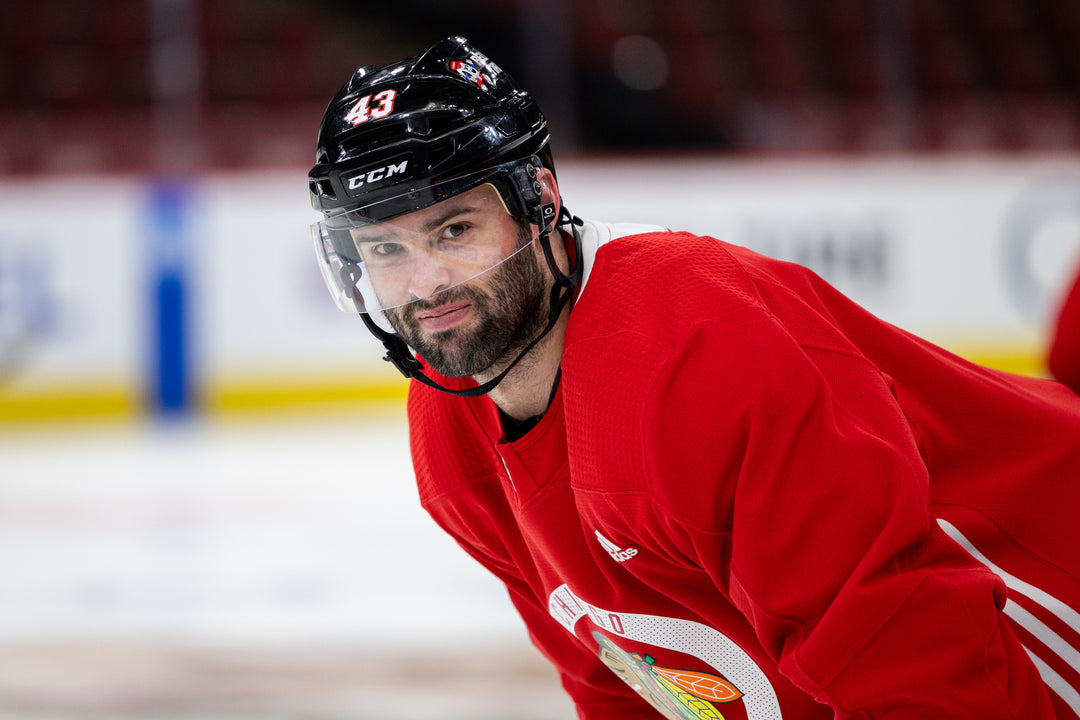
(440, 152)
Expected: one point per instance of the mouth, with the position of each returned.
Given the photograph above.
(443, 317)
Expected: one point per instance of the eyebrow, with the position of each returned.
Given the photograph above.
(373, 238)
(449, 214)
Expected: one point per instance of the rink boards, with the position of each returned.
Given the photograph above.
(123, 295)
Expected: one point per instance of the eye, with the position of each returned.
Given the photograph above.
(386, 249)
(454, 231)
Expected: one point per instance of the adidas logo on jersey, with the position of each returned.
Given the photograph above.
(617, 553)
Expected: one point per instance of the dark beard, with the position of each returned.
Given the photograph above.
(509, 315)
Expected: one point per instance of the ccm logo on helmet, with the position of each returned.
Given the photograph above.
(373, 176)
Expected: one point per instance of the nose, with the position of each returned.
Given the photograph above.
(430, 275)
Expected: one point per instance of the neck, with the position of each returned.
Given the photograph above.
(526, 390)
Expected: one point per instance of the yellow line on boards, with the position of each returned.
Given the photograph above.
(230, 398)
(295, 394)
(68, 403)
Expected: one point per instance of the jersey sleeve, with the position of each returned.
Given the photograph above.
(596, 692)
(799, 451)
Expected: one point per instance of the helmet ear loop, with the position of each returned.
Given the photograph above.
(561, 279)
(350, 276)
(544, 215)
(397, 351)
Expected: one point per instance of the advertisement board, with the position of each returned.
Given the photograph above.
(127, 295)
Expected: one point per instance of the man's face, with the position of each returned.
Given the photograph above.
(433, 265)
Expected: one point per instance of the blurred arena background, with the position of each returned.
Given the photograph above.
(206, 507)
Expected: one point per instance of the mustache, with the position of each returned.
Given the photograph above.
(445, 297)
(404, 316)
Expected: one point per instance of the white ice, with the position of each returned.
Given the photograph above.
(287, 534)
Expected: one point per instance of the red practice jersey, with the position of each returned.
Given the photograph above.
(1064, 357)
(750, 498)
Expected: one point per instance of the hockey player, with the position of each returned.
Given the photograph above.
(713, 486)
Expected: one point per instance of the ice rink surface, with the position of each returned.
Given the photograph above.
(243, 568)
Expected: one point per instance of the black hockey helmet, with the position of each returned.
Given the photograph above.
(400, 138)
(393, 134)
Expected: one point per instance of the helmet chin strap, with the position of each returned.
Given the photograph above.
(562, 292)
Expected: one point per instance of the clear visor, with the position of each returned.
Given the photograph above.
(374, 266)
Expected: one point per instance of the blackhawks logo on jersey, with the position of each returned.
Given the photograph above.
(677, 694)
